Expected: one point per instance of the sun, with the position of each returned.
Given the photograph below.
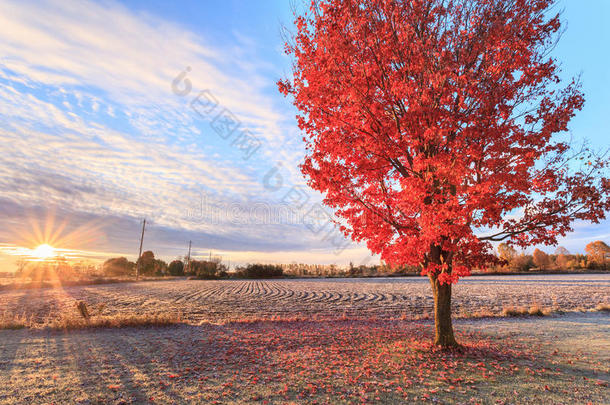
(44, 251)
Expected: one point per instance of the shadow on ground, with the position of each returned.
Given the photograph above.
(560, 359)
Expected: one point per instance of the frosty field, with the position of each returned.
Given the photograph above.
(559, 360)
(324, 341)
(380, 298)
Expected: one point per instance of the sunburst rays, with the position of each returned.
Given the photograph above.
(44, 237)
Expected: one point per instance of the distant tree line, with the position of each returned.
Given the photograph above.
(597, 258)
(210, 269)
(332, 270)
(149, 266)
(215, 269)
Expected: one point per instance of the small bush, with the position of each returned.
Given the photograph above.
(536, 310)
(176, 268)
(522, 263)
(483, 313)
(118, 266)
(603, 307)
(514, 311)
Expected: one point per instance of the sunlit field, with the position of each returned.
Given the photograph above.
(310, 341)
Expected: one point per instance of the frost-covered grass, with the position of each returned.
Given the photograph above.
(229, 300)
(114, 321)
(520, 360)
(72, 320)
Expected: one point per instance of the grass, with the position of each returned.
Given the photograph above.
(73, 322)
(534, 310)
(481, 313)
(603, 308)
(537, 310)
(116, 321)
(14, 321)
(81, 319)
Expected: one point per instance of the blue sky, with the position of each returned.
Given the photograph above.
(96, 137)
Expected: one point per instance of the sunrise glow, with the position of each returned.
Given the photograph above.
(44, 251)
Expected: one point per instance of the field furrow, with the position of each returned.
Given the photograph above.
(382, 298)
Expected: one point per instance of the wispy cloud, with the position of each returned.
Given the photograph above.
(91, 124)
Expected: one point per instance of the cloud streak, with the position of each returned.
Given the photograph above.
(92, 126)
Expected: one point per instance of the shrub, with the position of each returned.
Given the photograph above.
(603, 307)
(260, 271)
(207, 269)
(146, 263)
(522, 263)
(176, 268)
(536, 310)
(541, 259)
(118, 266)
(514, 311)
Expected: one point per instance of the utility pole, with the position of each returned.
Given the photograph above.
(188, 259)
(140, 254)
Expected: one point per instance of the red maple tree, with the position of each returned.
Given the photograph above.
(435, 127)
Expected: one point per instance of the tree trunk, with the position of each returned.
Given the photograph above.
(442, 314)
